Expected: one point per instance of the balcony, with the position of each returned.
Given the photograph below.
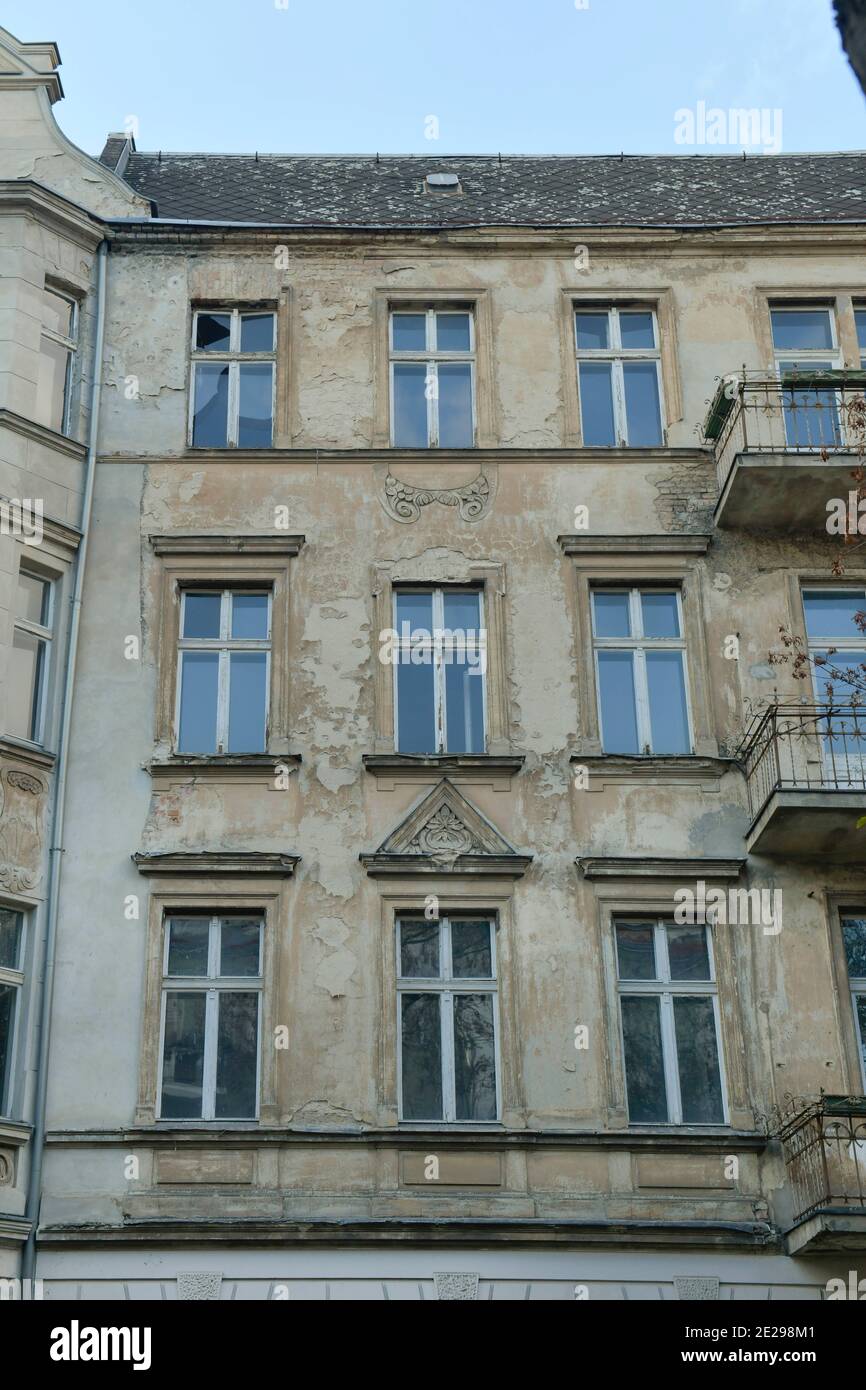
(805, 768)
(785, 447)
(824, 1148)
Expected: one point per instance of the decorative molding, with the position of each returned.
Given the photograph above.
(52, 209)
(21, 807)
(29, 753)
(198, 1285)
(684, 870)
(218, 863)
(403, 502)
(490, 769)
(456, 1286)
(13, 1133)
(167, 544)
(589, 546)
(41, 434)
(253, 768)
(609, 769)
(692, 1288)
(445, 833)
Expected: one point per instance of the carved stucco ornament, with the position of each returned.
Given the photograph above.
(445, 838)
(20, 831)
(403, 501)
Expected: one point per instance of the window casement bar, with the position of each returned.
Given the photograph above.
(429, 358)
(225, 646)
(232, 357)
(434, 647)
(639, 645)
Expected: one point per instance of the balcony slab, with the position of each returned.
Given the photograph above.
(783, 492)
(811, 825)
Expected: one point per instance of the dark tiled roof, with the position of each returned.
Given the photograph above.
(519, 191)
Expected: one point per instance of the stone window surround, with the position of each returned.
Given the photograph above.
(281, 306)
(222, 561)
(387, 298)
(840, 298)
(659, 299)
(836, 906)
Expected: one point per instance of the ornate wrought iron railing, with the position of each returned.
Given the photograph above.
(824, 1147)
(804, 747)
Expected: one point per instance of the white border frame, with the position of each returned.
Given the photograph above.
(44, 634)
(616, 354)
(232, 357)
(638, 645)
(440, 704)
(223, 645)
(430, 358)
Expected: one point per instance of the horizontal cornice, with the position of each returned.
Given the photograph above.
(52, 210)
(405, 457)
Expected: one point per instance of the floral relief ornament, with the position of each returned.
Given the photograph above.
(20, 831)
(404, 502)
(445, 838)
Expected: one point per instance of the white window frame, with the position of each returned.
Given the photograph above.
(71, 346)
(639, 646)
(44, 634)
(617, 355)
(816, 645)
(440, 712)
(666, 989)
(857, 989)
(211, 985)
(833, 355)
(431, 357)
(233, 357)
(13, 976)
(860, 311)
(446, 987)
(224, 645)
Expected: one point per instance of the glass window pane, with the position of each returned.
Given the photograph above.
(462, 609)
(596, 404)
(455, 406)
(474, 1057)
(471, 952)
(644, 1066)
(661, 615)
(421, 1058)
(669, 719)
(248, 673)
(409, 332)
(635, 950)
(8, 1000)
(801, 328)
(464, 700)
(688, 953)
(57, 313)
(832, 613)
(237, 1055)
(419, 950)
(26, 673)
(636, 329)
(854, 936)
(201, 615)
(183, 1056)
(860, 1009)
(240, 946)
(617, 703)
(416, 610)
(188, 946)
(642, 407)
(452, 333)
(34, 599)
(249, 615)
(51, 384)
(698, 1061)
(416, 717)
(257, 333)
(212, 332)
(592, 330)
(860, 318)
(210, 419)
(410, 406)
(611, 614)
(256, 405)
(11, 931)
(198, 702)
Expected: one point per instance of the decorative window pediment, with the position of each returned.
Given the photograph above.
(445, 833)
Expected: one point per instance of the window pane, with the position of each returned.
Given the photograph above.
(801, 328)
(636, 329)
(452, 333)
(464, 701)
(188, 946)
(249, 615)
(198, 702)
(421, 1061)
(860, 317)
(11, 929)
(661, 616)
(57, 313)
(592, 330)
(471, 954)
(237, 1055)
(240, 947)
(416, 718)
(811, 416)
(642, 410)
(256, 405)
(34, 599)
(474, 1057)
(211, 405)
(860, 1007)
(854, 935)
(455, 406)
(635, 950)
(419, 950)
(611, 614)
(212, 332)
(417, 611)
(596, 404)
(7, 1027)
(617, 702)
(183, 1056)
(669, 719)
(831, 614)
(409, 332)
(26, 667)
(51, 382)
(846, 672)
(698, 1061)
(688, 953)
(247, 701)
(201, 615)
(644, 1067)
(410, 406)
(257, 333)
(462, 610)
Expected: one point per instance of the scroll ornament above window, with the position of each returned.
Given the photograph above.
(405, 502)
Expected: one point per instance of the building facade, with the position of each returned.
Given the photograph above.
(451, 886)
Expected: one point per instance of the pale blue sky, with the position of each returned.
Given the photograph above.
(541, 76)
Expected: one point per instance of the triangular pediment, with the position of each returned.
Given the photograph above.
(445, 833)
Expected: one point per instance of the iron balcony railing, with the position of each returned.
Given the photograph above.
(804, 747)
(824, 1148)
(821, 413)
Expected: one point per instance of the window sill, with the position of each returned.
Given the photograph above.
(605, 769)
(221, 767)
(36, 754)
(495, 769)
